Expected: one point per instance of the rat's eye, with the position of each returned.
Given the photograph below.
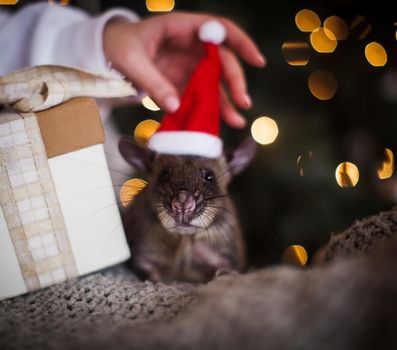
(208, 176)
(165, 174)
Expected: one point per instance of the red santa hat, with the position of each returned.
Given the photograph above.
(194, 128)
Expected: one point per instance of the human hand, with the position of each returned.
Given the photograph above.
(159, 54)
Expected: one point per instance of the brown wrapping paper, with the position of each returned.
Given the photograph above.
(70, 126)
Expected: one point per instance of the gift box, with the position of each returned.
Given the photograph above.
(59, 217)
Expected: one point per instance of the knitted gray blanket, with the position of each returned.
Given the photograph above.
(346, 302)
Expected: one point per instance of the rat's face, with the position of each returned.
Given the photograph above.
(188, 193)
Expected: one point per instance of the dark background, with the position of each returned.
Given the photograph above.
(277, 206)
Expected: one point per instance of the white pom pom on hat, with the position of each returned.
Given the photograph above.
(213, 32)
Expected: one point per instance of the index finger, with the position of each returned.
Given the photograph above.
(242, 44)
(183, 28)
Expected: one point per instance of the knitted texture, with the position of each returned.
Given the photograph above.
(359, 237)
(348, 303)
(74, 309)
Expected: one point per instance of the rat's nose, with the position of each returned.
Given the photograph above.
(183, 203)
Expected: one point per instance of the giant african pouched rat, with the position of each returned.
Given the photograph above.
(183, 224)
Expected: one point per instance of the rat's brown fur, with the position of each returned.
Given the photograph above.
(183, 225)
(163, 251)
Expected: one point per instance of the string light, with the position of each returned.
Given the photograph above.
(386, 169)
(307, 20)
(396, 31)
(296, 53)
(375, 54)
(144, 130)
(295, 255)
(337, 26)
(323, 40)
(360, 27)
(322, 85)
(303, 161)
(264, 130)
(347, 174)
(130, 189)
(52, 2)
(148, 103)
(160, 5)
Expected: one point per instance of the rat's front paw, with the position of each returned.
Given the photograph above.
(224, 271)
(209, 261)
(147, 269)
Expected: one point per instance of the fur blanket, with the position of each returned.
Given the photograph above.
(347, 301)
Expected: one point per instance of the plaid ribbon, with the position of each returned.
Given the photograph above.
(30, 205)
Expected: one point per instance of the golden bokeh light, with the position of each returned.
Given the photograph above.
(295, 255)
(296, 53)
(360, 27)
(386, 169)
(337, 26)
(144, 130)
(307, 20)
(62, 2)
(130, 189)
(303, 162)
(323, 40)
(375, 54)
(160, 5)
(322, 85)
(148, 103)
(347, 174)
(264, 130)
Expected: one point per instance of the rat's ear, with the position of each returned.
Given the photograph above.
(242, 156)
(139, 157)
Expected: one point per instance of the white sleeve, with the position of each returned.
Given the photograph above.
(53, 34)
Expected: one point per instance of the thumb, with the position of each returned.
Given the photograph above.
(148, 78)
